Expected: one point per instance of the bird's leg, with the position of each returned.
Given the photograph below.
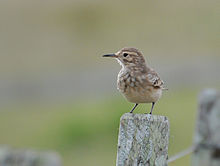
(134, 108)
(152, 107)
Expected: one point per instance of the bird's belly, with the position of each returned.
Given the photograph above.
(144, 95)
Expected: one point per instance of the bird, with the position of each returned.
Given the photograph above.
(137, 82)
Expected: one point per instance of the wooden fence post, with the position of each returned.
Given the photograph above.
(19, 157)
(143, 140)
(207, 136)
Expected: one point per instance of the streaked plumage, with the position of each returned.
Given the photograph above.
(136, 81)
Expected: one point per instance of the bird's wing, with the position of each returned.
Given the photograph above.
(154, 79)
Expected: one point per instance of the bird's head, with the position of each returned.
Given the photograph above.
(128, 57)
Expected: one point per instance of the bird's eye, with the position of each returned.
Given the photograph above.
(125, 54)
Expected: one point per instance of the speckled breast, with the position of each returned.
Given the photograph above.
(136, 90)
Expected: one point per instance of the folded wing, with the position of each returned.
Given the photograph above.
(154, 79)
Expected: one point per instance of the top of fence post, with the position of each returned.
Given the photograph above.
(143, 140)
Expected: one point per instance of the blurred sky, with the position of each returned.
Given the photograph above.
(51, 50)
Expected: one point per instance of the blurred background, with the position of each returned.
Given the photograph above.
(57, 93)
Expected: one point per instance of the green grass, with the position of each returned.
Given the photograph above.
(85, 133)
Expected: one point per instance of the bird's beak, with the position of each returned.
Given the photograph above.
(109, 55)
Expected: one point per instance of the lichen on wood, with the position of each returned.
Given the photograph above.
(143, 140)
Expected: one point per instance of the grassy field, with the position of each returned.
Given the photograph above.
(85, 133)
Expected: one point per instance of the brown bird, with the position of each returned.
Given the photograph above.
(136, 81)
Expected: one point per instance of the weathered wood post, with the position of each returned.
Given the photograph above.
(207, 136)
(143, 140)
(18, 157)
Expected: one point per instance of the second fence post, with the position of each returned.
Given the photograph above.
(143, 140)
(207, 136)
